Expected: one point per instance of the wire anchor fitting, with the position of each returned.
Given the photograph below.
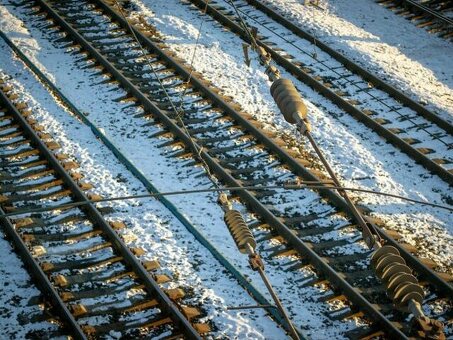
(291, 105)
(246, 244)
(402, 287)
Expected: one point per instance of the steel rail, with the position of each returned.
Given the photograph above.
(299, 169)
(303, 248)
(427, 10)
(331, 95)
(411, 10)
(41, 278)
(256, 294)
(36, 271)
(354, 67)
(93, 213)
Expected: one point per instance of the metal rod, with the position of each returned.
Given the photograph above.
(250, 307)
(220, 189)
(415, 308)
(280, 307)
(367, 233)
(290, 325)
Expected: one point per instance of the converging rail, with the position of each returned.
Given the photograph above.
(434, 15)
(239, 153)
(415, 130)
(78, 259)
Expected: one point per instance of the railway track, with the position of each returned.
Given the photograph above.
(415, 130)
(314, 231)
(123, 158)
(94, 282)
(434, 15)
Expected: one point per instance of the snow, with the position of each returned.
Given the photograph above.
(360, 157)
(357, 155)
(156, 230)
(21, 313)
(413, 60)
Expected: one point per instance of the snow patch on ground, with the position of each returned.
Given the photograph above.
(158, 232)
(415, 61)
(357, 154)
(15, 29)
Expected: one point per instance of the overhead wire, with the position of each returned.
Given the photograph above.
(172, 104)
(299, 186)
(313, 31)
(244, 25)
(192, 59)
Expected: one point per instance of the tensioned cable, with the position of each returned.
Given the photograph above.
(242, 21)
(323, 63)
(145, 55)
(303, 185)
(315, 54)
(197, 41)
(369, 230)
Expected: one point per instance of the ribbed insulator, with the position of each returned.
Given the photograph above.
(239, 230)
(401, 285)
(288, 100)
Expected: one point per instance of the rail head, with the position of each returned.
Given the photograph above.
(90, 209)
(446, 20)
(164, 117)
(36, 271)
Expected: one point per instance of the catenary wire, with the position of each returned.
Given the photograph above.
(303, 185)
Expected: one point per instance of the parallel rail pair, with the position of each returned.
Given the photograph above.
(237, 152)
(74, 254)
(420, 133)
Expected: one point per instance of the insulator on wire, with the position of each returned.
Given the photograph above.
(239, 231)
(289, 101)
(401, 285)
